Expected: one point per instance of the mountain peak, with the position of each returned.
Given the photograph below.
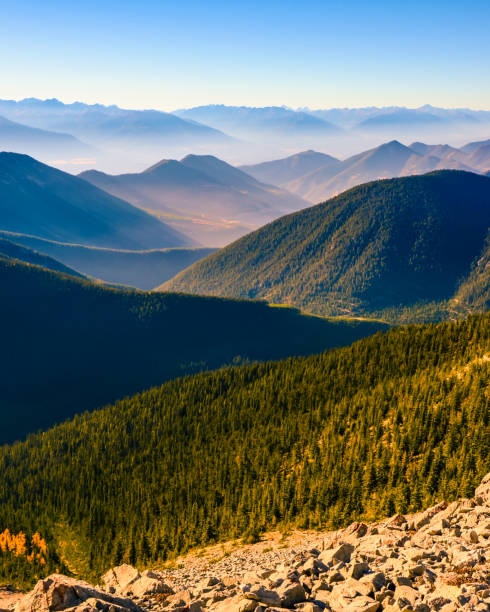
(159, 164)
(393, 144)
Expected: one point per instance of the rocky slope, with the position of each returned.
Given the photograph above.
(438, 559)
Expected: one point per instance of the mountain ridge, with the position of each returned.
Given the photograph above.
(388, 160)
(39, 200)
(380, 245)
(139, 269)
(68, 337)
(12, 250)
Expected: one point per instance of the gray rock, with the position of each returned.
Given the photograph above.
(120, 577)
(358, 569)
(261, 594)
(339, 553)
(57, 592)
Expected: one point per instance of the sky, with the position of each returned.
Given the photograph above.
(317, 54)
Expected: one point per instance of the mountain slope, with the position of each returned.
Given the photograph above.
(385, 161)
(141, 269)
(283, 171)
(26, 139)
(473, 293)
(201, 195)
(472, 146)
(69, 345)
(39, 200)
(381, 245)
(391, 424)
(11, 250)
(388, 160)
(480, 157)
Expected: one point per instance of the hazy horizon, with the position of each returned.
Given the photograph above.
(305, 108)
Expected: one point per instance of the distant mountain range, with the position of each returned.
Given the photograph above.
(41, 201)
(315, 176)
(342, 131)
(69, 345)
(400, 116)
(202, 196)
(241, 120)
(105, 123)
(386, 248)
(21, 138)
(244, 121)
(119, 139)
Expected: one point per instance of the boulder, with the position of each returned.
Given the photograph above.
(355, 530)
(404, 593)
(312, 567)
(291, 592)
(358, 569)
(343, 592)
(148, 583)
(423, 518)
(181, 598)
(120, 577)
(247, 605)
(482, 492)
(261, 594)
(396, 521)
(339, 553)
(322, 596)
(308, 606)
(335, 576)
(362, 604)
(376, 579)
(232, 604)
(57, 592)
(207, 583)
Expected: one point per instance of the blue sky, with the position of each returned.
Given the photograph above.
(167, 55)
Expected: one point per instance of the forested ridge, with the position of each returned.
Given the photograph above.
(392, 423)
(404, 250)
(14, 251)
(70, 345)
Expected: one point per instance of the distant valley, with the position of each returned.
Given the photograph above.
(143, 269)
(201, 196)
(85, 228)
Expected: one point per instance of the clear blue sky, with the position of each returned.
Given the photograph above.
(166, 55)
